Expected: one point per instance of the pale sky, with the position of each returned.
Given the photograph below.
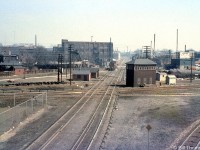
(130, 23)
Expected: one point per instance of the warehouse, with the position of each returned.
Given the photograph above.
(99, 53)
(140, 72)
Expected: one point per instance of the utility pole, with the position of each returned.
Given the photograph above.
(59, 68)
(70, 63)
(191, 68)
(151, 55)
(169, 55)
(61, 60)
(154, 44)
(147, 49)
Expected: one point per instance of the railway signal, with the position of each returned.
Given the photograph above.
(148, 127)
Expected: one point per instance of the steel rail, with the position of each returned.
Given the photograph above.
(92, 119)
(187, 138)
(30, 146)
(104, 114)
(64, 126)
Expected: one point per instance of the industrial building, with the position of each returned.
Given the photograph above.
(183, 60)
(99, 53)
(140, 72)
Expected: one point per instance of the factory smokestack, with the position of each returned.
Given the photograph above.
(35, 40)
(177, 43)
(185, 48)
(154, 44)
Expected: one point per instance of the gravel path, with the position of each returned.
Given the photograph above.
(167, 115)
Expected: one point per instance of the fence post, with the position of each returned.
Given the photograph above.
(42, 100)
(46, 99)
(26, 109)
(14, 100)
(32, 105)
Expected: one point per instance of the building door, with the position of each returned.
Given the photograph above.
(85, 77)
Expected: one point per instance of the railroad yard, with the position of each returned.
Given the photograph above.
(73, 117)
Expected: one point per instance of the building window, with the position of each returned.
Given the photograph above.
(78, 76)
(150, 80)
(145, 80)
(138, 80)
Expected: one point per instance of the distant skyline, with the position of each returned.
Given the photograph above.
(130, 23)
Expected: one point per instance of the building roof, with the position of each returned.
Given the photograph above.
(171, 76)
(94, 70)
(161, 73)
(19, 67)
(141, 62)
(81, 72)
(14, 63)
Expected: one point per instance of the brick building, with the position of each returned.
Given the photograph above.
(99, 53)
(140, 72)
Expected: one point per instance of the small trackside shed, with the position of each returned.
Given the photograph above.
(140, 72)
(81, 75)
(161, 76)
(171, 80)
(19, 70)
(94, 72)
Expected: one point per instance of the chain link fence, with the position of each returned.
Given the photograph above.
(13, 116)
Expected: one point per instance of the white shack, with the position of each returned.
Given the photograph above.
(171, 80)
(161, 76)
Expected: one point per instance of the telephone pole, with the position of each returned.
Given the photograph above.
(60, 60)
(147, 50)
(70, 63)
(191, 68)
(59, 68)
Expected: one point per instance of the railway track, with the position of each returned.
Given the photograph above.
(192, 141)
(80, 124)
